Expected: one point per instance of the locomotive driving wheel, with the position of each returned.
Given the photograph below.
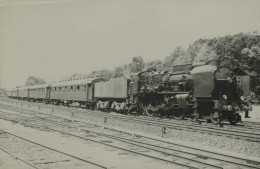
(194, 117)
(215, 118)
(150, 110)
(234, 120)
(179, 115)
(163, 114)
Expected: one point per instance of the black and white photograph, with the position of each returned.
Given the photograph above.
(129, 84)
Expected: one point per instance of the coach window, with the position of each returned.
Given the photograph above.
(82, 87)
(77, 88)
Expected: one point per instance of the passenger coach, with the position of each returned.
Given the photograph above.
(67, 92)
(23, 93)
(14, 93)
(39, 92)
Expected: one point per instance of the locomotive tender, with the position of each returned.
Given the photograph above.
(196, 91)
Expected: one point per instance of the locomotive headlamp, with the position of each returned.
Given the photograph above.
(242, 98)
(229, 107)
(224, 97)
(229, 79)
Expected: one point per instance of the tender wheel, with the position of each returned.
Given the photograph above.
(215, 118)
(134, 112)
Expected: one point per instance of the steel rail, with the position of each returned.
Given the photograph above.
(129, 141)
(123, 149)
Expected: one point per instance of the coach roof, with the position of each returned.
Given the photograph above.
(75, 82)
(22, 88)
(39, 86)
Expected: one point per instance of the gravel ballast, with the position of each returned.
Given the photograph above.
(224, 143)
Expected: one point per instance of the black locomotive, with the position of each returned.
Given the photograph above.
(195, 91)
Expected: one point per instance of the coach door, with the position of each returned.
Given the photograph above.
(47, 91)
(89, 91)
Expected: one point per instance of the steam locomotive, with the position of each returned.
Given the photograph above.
(196, 91)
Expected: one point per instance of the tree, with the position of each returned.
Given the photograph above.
(177, 56)
(107, 74)
(253, 52)
(194, 49)
(229, 48)
(154, 65)
(206, 53)
(137, 64)
(31, 81)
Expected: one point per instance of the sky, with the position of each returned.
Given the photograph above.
(52, 39)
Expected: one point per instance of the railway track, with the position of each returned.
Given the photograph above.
(39, 156)
(252, 134)
(116, 144)
(245, 125)
(165, 150)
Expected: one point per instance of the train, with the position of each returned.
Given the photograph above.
(198, 91)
